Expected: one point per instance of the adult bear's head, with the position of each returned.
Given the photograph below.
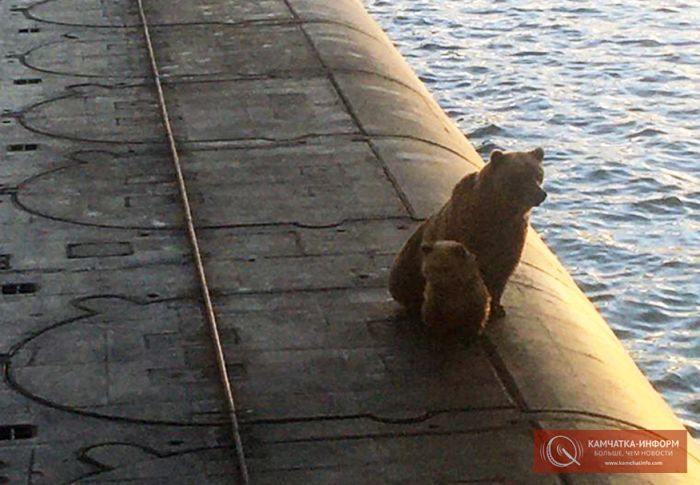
(513, 180)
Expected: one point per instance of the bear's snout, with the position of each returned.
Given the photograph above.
(541, 196)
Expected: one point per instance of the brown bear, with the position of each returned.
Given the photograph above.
(488, 212)
(455, 295)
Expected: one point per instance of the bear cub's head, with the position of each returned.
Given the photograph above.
(448, 262)
(516, 179)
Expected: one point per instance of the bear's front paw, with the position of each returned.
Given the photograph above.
(497, 312)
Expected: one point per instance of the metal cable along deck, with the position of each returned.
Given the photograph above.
(199, 263)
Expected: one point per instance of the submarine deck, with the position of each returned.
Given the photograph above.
(310, 151)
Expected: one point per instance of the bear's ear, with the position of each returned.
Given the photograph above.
(538, 153)
(497, 156)
(465, 254)
(427, 248)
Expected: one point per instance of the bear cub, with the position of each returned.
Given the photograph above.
(455, 295)
(488, 212)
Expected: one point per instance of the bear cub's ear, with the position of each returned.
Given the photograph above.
(538, 153)
(465, 254)
(427, 248)
(497, 156)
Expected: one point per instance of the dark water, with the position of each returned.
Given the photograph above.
(611, 90)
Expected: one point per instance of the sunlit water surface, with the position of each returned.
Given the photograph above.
(611, 90)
